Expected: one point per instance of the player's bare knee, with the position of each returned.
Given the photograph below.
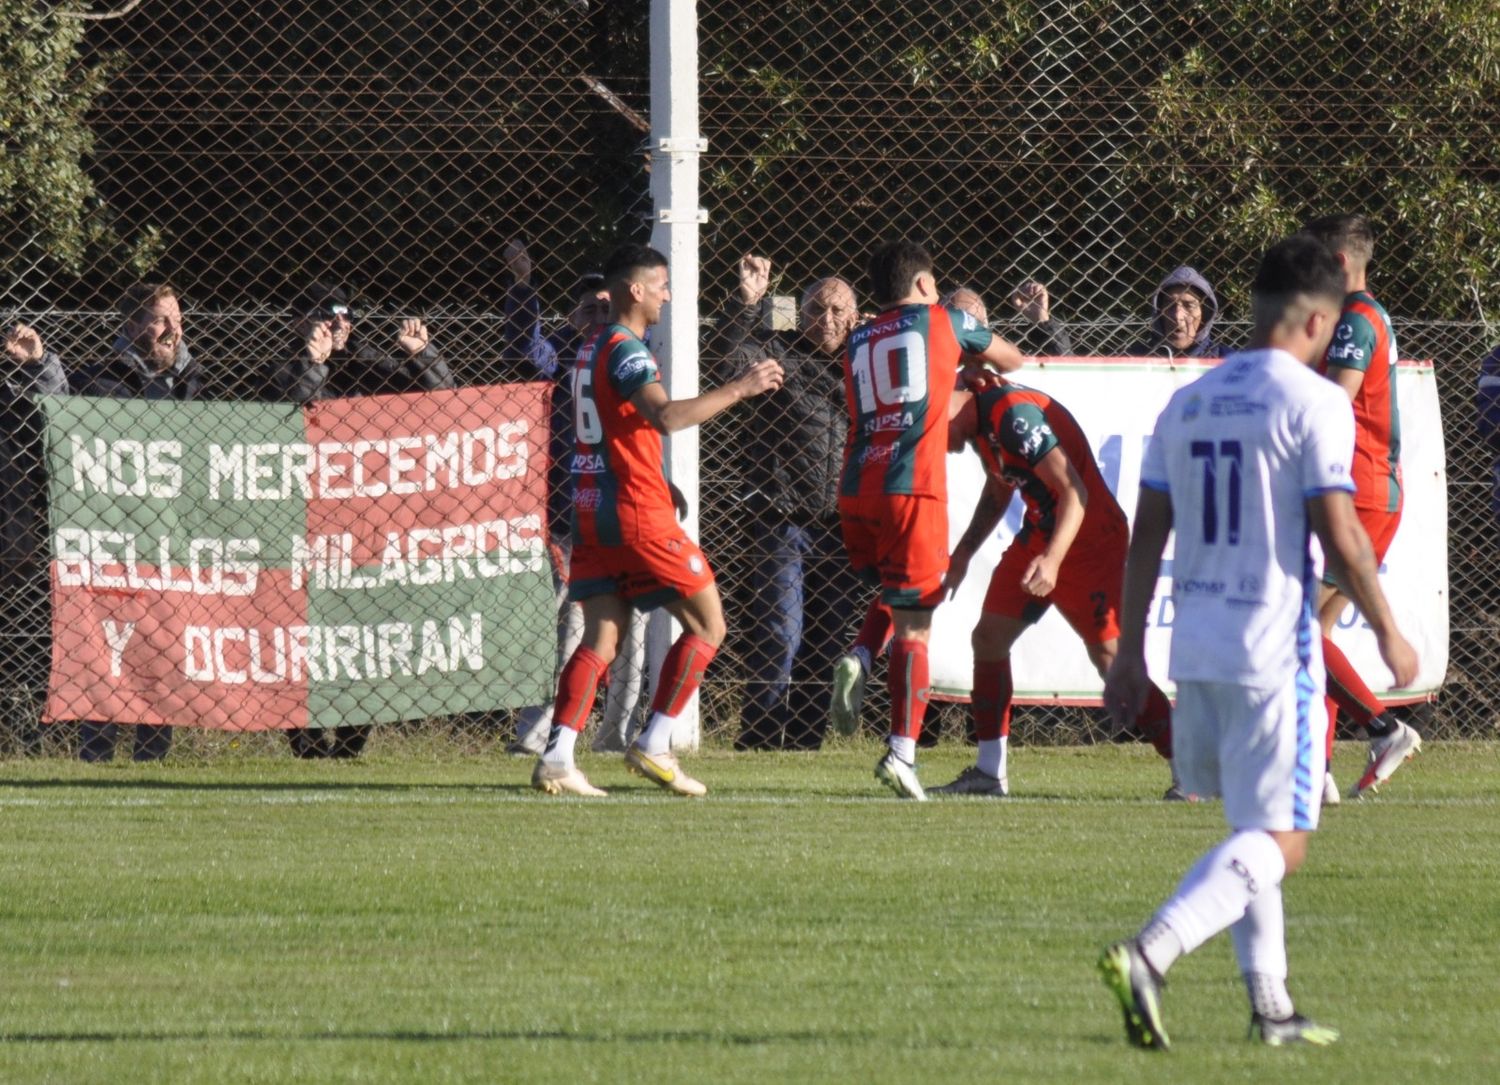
(1293, 847)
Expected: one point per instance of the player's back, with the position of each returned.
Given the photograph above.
(1018, 426)
(620, 494)
(899, 373)
(1365, 339)
(1240, 450)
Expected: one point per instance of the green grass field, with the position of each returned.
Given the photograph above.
(431, 921)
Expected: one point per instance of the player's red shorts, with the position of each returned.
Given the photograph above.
(901, 542)
(645, 574)
(1381, 526)
(1088, 588)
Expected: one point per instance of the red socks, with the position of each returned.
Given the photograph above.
(875, 633)
(990, 699)
(577, 687)
(681, 672)
(1346, 688)
(907, 678)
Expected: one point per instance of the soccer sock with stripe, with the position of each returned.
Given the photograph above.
(1260, 947)
(577, 687)
(990, 701)
(907, 679)
(1348, 690)
(681, 673)
(875, 631)
(1213, 895)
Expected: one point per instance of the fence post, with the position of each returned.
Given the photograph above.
(675, 147)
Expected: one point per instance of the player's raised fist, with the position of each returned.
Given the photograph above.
(319, 342)
(755, 277)
(23, 345)
(1032, 302)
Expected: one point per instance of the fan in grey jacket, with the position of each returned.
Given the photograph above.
(1183, 312)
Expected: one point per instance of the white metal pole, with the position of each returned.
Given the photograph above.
(675, 147)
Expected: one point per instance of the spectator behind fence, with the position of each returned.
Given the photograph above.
(25, 603)
(1037, 334)
(803, 594)
(1487, 406)
(1183, 312)
(331, 360)
(552, 357)
(149, 359)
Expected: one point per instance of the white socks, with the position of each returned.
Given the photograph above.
(904, 747)
(1260, 947)
(656, 738)
(560, 745)
(1215, 894)
(992, 756)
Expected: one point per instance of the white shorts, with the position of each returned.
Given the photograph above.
(1262, 750)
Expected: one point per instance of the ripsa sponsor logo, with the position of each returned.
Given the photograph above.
(888, 421)
(587, 463)
(1198, 587)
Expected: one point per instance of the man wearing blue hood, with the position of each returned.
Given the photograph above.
(1182, 318)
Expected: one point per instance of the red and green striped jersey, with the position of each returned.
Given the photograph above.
(1365, 340)
(899, 374)
(1018, 426)
(620, 493)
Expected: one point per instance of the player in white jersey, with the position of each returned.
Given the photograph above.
(1245, 463)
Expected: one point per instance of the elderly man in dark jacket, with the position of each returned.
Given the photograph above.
(1183, 312)
(26, 636)
(802, 591)
(331, 361)
(149, 359)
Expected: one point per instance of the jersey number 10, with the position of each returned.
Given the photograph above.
(894, 372)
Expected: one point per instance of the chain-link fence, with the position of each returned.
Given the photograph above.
(460, 165)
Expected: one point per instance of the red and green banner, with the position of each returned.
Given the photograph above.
(247, 566)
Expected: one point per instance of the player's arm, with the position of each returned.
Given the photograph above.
(980, 346)
(1001, 355)
(1127, 684)
(1351, 352)
(1059, 475)
(993, 501)
(670, 415)
(1351, 563)
(1350, 380)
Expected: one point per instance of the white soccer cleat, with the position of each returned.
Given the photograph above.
(900, 777)
(848, 694)
(1387, 754)
(1330, 790)
(563, 780)
(975, 781)
(663, 770)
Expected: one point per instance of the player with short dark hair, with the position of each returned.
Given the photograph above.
(1247, 462)
(900, 370)
(1361, 360)
(628, 550)
(1070, 553)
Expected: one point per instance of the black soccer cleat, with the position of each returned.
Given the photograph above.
(1138, 987)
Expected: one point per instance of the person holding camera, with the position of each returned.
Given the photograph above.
(333, 360)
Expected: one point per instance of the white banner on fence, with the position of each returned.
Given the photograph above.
(1116, 401)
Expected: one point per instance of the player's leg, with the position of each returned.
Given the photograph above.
(859, 523)
(909, 682)
(556, 773)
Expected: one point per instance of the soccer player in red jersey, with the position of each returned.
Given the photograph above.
(1362, 360)
(900, 370)
(628, 549)
(1070, 554)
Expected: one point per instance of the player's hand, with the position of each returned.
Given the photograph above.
(764, 376)
(1126, 687)
(1040, 576)
(23, 345)
(755, 277)
(1031, 301)
(679, 502)
(1400, 657)
(413, 336)
(977, 377)
(958, 568)
(319, 343)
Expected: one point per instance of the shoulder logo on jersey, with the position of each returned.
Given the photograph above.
(1035, 438)
(969, 323)
(695, 564)
(1344, 332)
(1348, 350)
(631, 364)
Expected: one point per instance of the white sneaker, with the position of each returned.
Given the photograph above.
(563, 780)
(900, 777)
(848, 694)
(975, 781)
(663, 770)
(1387, 753)
(1330, 790)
